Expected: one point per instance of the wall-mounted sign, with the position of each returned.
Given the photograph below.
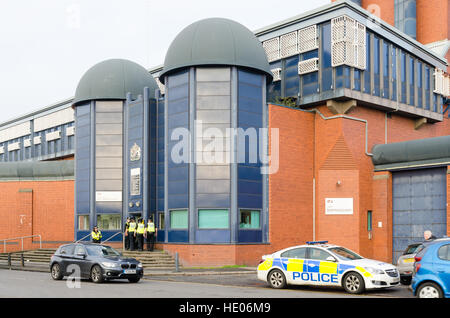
(135, 152)
(338, 206)
(108, 196)
(135, 181)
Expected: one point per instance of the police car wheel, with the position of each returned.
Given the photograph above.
(429, 290)
(276, 279)
(353, 283)
(56, 272)
(96, 274)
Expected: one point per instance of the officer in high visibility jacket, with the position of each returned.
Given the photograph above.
(96, 235)
(132, 233)
(126, 239)
(140, 231)
(150, 234)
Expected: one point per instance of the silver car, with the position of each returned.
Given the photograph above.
(405, 263)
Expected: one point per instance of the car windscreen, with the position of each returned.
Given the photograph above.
(99, 250)
(411, 249)
(344, 254)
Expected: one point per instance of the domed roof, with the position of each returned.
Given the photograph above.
(113, 79)
(216, 41)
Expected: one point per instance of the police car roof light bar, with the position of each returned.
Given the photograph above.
(316, 242)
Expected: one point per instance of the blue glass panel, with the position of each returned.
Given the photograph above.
(291, 77)
(367, 71)
(310, 83)
(327, 78)
(249, 173)
(309, 55)
(411, 76)
(403, 76)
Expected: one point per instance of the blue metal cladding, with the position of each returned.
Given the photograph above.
(82, 159)
(419, 200)
(326, 69)
(249, 119)
(367, 71)
(178, 117)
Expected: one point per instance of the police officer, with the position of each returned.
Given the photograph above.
(127, 241)
(140, 231)
(132, 233)
(150, 234)
(96, 235)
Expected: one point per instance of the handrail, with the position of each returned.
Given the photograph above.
(120, 232)
(82, 238)
(21, 238)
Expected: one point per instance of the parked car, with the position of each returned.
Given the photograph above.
(322, 264)
(431, 277)
(405, 263)
(94, 261)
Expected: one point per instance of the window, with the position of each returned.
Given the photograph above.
(318, 254)
(295, 253)
(109, 221)
(179, 219)
(83, 222)
(376, 66)
(444, 252)
(419, 84)
(79, 249)
(411, 77)
(394, 73)
(161, 223)
(369, 221)
(344, 253)
(213, 219)
(250, 219)
(403, 76)
(66, 249)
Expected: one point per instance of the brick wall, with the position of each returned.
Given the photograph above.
(37, 207)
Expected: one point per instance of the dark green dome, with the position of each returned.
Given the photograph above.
(113, 79)
(216, 41)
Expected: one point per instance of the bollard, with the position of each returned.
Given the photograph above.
(176, 262)
(9, 260)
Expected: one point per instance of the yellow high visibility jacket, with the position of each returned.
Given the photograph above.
(132, 227)
(141, 228)
(151, 227)
(96, 235)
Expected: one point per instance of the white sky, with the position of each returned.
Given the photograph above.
(47, 45)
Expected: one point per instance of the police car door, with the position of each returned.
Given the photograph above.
(322, 268)
(294, 260)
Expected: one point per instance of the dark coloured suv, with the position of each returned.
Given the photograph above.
(94, 261)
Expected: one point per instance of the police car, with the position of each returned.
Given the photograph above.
(322, 264)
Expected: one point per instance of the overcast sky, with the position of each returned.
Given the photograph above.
(47, 45)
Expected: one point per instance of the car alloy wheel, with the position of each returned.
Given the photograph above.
(277, 279)
(429, 290)
(96, 274)
(353, 283)
(56, 272)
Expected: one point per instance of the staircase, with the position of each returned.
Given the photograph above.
(150, 260)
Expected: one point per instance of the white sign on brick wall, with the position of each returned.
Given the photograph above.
(338, 206)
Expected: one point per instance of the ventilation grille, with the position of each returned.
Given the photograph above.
(288, 44)
(291, 43)
(272, 48)
(441, 83)
(308, 66)
(276, 72)
(348, 42)
(307, 39)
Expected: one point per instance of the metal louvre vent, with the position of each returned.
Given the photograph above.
(272, 48)
(276, 74)
(441, 83)
(162, 87)
(307, 39)
(308, 66)
(288, 44)
(348, 42)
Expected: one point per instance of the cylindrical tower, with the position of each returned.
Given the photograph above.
(103, 127)
(215, 75)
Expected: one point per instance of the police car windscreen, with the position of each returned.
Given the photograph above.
(101, 250)
(344, 253)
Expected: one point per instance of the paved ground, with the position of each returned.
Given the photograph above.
(200, 283)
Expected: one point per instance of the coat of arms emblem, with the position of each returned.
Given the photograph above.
(135, 152)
